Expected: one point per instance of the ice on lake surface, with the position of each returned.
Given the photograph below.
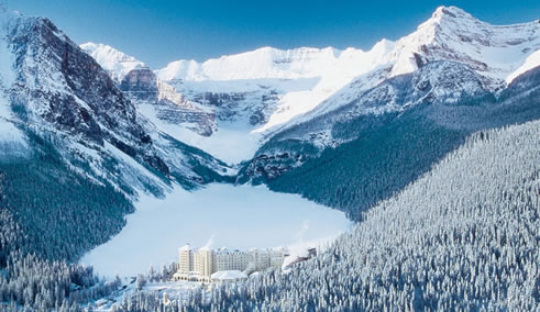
(220, 215)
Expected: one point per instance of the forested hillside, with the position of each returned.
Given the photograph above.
(378, 154)
(74, 155)
(431, 144)
(465, 236)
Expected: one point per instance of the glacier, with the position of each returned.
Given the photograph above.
(257, 94)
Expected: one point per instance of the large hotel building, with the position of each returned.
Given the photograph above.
(202, 263)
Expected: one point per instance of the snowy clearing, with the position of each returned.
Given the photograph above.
(221, 215)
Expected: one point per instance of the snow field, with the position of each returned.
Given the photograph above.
(241, 217)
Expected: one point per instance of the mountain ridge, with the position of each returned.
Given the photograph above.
(247, 91)
(75, 152)
(408, 144)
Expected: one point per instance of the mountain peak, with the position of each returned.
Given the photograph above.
(116, 62)
(384, 45)
(451, 12)
(455, 35)
(449, 17)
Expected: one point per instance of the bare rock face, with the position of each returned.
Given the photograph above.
(60, 95)
(142, 87)
(203, 123)
(58, 83)
(253, 106)
(140, 84)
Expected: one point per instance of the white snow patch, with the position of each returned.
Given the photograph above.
(531, 62)
(12, 140)
(117, 63)
(8, 131)
(228, 275)
(7, 74)
(231, 143)
(244, 217)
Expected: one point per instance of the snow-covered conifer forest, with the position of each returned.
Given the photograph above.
(419, 157)
(465, 236)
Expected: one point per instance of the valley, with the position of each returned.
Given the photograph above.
(411, 166)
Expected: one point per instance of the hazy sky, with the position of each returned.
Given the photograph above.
(161, 31)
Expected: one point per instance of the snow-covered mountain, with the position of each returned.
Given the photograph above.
(388, 126)
(75, 154)
(84, 130)
(250, 93)
(272, 63)
(495, 54)
(116, 121)
(118, 64)
(256, 94)
(155, 99)
(51, 89)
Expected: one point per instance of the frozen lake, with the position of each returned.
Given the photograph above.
(221, 215)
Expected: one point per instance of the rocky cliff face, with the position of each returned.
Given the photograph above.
(140, 84)
(262, 94)
(454, 68)
(62, 85)
(58, 92)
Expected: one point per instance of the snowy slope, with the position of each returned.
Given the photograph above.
(254, 95)
(532, 61)
(496, 53)
(118, 64)
(322, 71)
(267, 62)
(50, 89)
(12, 140)
(452, 34)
